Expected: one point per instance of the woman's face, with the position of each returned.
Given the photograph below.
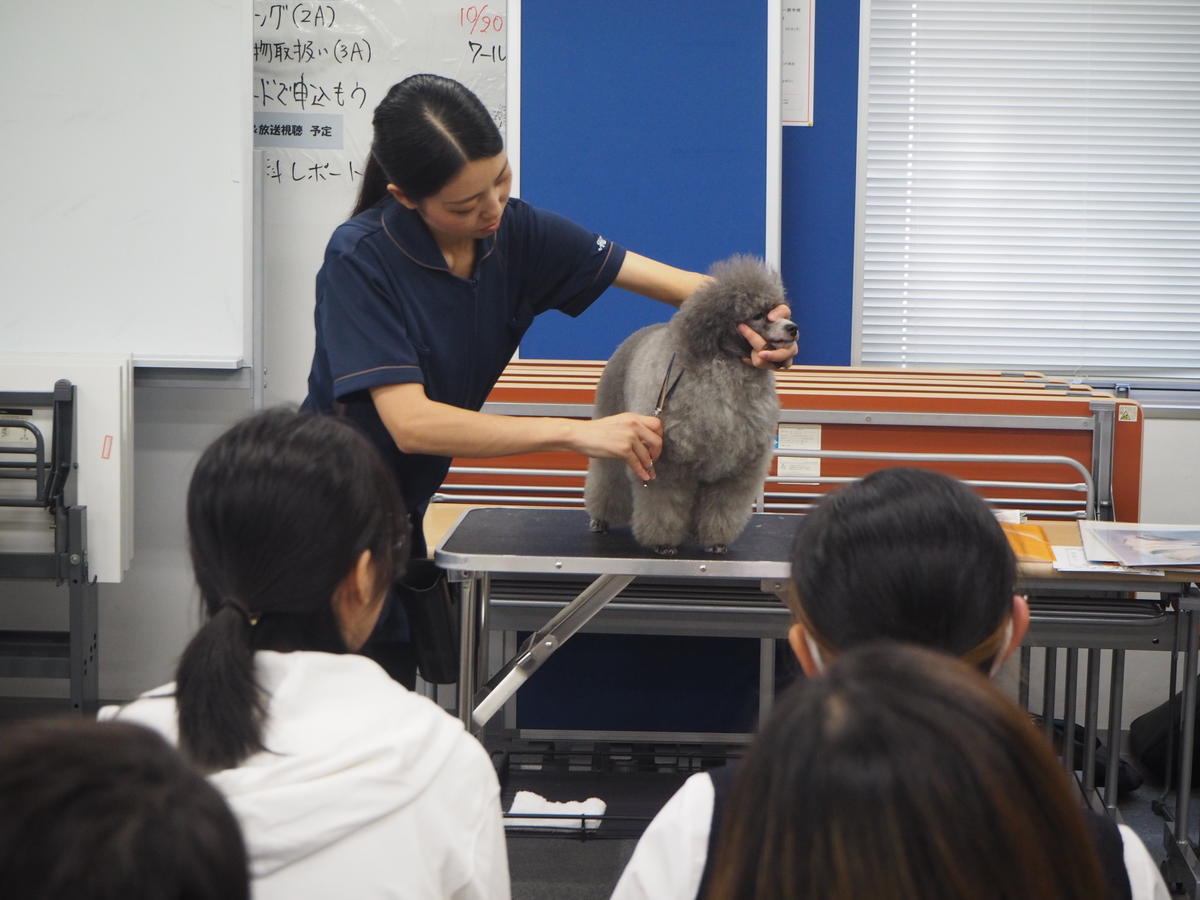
(471, 204)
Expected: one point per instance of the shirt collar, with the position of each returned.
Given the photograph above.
(408, 231)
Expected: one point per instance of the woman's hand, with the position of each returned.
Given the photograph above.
(760, 356)
(628, 436)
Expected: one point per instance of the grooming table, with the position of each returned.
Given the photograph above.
(1071, 611)
(512, 540)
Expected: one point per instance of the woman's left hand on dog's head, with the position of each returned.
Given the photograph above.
(762, 356)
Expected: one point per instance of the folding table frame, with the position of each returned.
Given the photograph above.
(70, 654)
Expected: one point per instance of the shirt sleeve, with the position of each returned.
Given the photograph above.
(668, 861)
(1145, 881)
(567, 266)
(366, 341)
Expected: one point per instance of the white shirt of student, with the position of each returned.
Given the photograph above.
(366, 789)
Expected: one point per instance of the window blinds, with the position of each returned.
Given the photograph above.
(1029, 186)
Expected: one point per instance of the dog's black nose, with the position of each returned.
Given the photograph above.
(791, 330)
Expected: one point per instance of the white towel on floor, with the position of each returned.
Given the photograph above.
(573, 812)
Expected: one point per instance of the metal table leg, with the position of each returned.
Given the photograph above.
(83, 650)
(1023, 677)
(1069, 704)
(1049, 689)
(766, 679)
(1116, 687)
(1160, 805)
(1181, 864)
(83, 615)
(1091, 715)
(483, 606)
(468, 636)
(539, 646)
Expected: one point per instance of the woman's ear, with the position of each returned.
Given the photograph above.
(804, 648)
(357, 602)
(400, 196)
(1020, 625)
(364, 578)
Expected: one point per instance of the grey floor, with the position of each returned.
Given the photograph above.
(565, 868)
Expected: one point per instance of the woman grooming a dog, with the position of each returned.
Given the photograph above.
(427, 290)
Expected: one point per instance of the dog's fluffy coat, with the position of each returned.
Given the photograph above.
(719, 420)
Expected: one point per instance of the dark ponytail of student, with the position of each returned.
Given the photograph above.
(280, 508)
(426, 129)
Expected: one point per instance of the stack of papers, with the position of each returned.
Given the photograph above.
(1130, 547)
(1134, 544)
(1074, 559)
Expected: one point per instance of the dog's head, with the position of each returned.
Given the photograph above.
(743, 289)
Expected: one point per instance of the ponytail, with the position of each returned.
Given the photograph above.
(221, 706)
(373, 188)
(280, 508)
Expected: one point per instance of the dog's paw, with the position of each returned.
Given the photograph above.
(666, 550)
(598, 525)
(717, 548)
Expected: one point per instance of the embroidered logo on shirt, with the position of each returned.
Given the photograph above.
(601, 243)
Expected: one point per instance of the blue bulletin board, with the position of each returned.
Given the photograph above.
(648, 123)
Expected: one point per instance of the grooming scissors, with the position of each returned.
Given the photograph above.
(663, 393)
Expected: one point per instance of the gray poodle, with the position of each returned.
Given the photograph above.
(719, 416)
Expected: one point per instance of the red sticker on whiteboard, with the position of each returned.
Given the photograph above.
(106, 449)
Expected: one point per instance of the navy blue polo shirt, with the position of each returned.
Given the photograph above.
(389, 311)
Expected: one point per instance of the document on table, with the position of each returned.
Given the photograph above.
(1074, 559)
(1140, 544)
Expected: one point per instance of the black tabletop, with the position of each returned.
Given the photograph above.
(548, 540)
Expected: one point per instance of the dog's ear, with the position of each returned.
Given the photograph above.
(705, 326)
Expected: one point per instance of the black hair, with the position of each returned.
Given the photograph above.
(109, 811)
(905, 554)
(279, 510)
(902, 772)
(427, 128)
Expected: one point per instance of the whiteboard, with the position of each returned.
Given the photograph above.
(320, 69)
(126, 195)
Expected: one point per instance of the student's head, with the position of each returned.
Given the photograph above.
(108, 811)
(427, 131)
(902, 773)
(910, 555)
(297, 530)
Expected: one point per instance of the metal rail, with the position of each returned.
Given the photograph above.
(572, 495)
